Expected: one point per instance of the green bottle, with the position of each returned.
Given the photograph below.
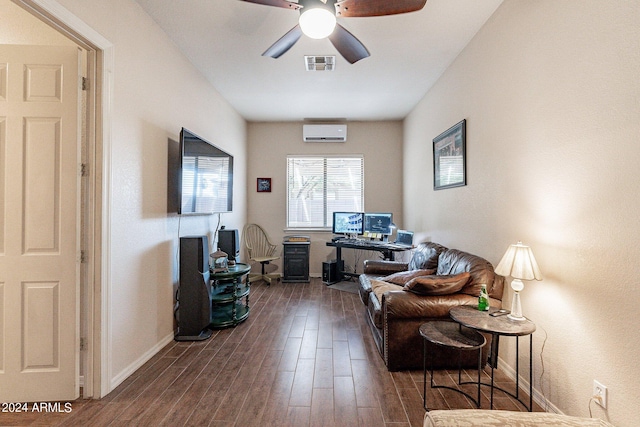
(483, 299)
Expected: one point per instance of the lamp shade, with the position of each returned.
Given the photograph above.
(519, 263)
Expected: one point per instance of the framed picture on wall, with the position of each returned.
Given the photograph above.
(449, 158)
(264, 185)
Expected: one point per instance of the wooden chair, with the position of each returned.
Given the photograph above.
(260, 249)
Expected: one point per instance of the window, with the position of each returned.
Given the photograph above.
(317, 186)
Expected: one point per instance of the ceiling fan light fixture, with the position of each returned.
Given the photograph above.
(317, 22)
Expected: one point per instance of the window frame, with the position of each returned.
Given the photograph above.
(327, 216)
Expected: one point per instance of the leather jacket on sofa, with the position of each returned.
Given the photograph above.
(395, 315)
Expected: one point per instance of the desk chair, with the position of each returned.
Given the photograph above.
(260, 249)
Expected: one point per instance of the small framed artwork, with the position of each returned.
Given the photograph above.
(449, 158)
(264, 185)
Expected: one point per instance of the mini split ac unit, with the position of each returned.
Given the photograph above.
(324, 133)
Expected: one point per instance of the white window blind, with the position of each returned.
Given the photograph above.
(317, 186)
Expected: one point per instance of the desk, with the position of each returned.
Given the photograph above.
(387, 249)
(482, 321)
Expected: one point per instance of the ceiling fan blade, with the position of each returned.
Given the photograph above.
(348, 45)
(363, 8)
(277, 3)
(284, 44)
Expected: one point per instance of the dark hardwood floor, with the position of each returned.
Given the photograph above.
(304, 357)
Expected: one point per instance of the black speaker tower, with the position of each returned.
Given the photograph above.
(194, 295)
(229, 243)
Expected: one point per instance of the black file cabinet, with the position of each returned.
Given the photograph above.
(296, 258)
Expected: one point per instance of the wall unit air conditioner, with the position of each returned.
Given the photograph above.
(324, 133)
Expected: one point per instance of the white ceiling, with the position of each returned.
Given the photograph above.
(225, 39)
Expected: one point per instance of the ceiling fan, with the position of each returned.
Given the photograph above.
(318, 20)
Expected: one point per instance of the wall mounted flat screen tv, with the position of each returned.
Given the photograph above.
(206, 176)
(347, 222)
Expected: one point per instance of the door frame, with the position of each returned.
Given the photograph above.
(98, 260)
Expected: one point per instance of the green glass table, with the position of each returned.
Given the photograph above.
(230, 291)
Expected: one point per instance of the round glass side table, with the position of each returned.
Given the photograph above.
(496, 324)
(451, 335)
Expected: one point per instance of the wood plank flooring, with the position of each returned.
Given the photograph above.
(304, 357)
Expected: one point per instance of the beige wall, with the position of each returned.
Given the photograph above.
(550, 91)
(156, 91)
(270, 143)
(17, 26)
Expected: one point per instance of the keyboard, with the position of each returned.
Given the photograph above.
(361, 242)
(351, 241)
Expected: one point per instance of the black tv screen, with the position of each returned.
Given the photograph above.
(206, 176)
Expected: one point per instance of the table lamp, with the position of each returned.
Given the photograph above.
(519, 263)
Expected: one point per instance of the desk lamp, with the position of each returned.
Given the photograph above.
(519, 263)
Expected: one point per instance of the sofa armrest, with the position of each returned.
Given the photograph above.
(407, 305)
(384, 268)
(402, 315)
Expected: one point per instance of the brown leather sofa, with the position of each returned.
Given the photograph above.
(395, 314)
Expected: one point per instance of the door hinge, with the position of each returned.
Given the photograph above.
(83, 344)
(83, 257)
(85, 83)
(84, 169)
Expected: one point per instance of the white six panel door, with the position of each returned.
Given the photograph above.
(39, 223)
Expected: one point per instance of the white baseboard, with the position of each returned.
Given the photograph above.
(538, 397)
(126, 373)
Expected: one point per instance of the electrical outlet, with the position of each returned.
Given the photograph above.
(600, 394)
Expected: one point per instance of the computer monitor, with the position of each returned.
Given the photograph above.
(404, 237)
(378, 223)
(347, 222)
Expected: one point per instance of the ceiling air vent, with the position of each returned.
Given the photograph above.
(320, 63)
